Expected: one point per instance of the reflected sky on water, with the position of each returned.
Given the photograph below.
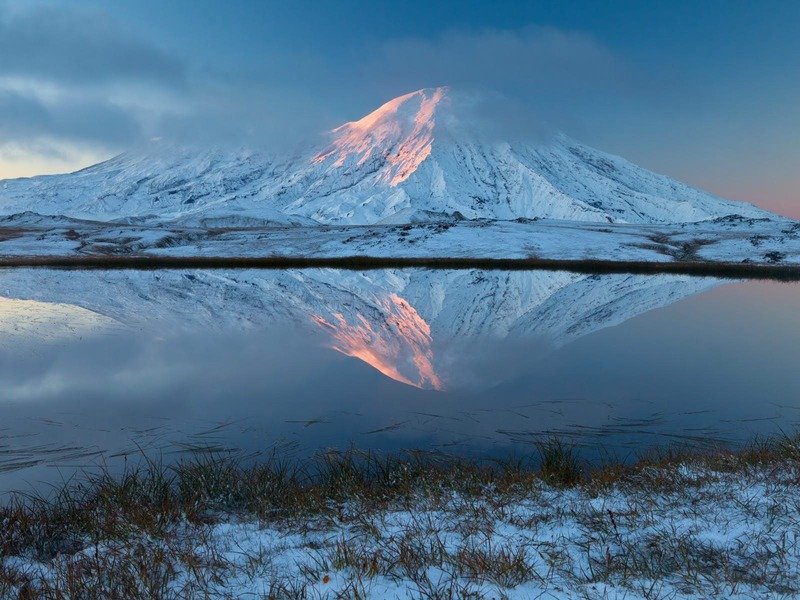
(101, 366)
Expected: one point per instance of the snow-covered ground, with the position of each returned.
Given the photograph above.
(726, 537)
(679, 532)
(732, 239)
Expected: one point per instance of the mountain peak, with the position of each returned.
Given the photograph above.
(416, 106)
(399, 132)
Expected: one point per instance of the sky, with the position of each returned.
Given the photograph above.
(706, 92)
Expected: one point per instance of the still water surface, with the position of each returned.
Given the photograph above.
(103, 366)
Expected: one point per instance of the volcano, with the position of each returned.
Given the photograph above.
(421, 156)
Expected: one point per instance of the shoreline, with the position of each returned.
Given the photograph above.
(725, 270)
(679, 523)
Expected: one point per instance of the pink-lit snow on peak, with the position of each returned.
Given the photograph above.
(399, 133)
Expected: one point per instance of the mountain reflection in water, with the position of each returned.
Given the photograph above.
(384, 345)
(414, 326)
(100, 366)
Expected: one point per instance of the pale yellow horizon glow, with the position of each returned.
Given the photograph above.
(54, 159)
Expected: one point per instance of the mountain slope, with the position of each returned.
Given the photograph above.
(418, 156)
(420, 153)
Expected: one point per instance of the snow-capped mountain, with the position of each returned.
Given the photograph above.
(418, 327)
(419, 156)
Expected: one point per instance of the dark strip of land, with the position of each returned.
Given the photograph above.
(591, 266)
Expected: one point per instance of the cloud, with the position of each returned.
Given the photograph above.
(78, 46)
(532, 59)
(528, 82)
(39, 136)
(74, 77)
(75, 80)
(91, 120)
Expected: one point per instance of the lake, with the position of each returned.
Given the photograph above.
(100, 367)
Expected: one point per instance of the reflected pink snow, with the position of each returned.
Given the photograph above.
(399, 347)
